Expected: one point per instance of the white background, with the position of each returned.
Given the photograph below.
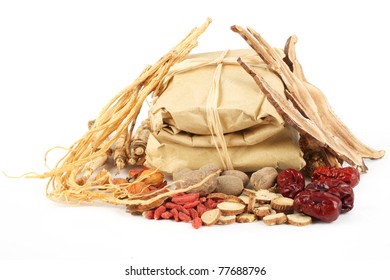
(61, 61)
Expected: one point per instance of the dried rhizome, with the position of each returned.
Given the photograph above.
(240, 109)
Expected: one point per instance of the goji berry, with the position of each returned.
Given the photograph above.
(157, 213)
(200, 208)
(197, 223)
(149, 214)
(178, 194)
(184, 217)
(166, 215)
(191, 204)
(180, 208)
(170, 205)
(210, 204)
(175, 214)
(186, 198)
(194, 213)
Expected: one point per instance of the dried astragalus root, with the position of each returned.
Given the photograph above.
(226, 220)
(231, 208)
(138, 143)
(246, 218)
(275, 219)
(306, 109)
(116, 118)
(211, 217)
(298, 219)
(119, 148)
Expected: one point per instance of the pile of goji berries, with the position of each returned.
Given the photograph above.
(183, 208)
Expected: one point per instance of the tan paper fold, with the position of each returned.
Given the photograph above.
(280, 151)
(182, 103)
(252, 130)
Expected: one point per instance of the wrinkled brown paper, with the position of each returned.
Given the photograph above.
(255, 134)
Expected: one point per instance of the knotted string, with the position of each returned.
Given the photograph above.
(213, 120)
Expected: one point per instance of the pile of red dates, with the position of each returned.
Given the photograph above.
(329, 193)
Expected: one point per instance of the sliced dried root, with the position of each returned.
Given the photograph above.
(283, 204)
(211, 217)
(246, 218)
(265, 196)
(244, 198)
(217, 195)
(275, 219)
(231, 208)
(251, 203)
(262, 211)
(233, 198)
(248, 192)
(299, 219)
(226, 220)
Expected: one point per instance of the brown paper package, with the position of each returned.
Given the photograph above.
(254, 133)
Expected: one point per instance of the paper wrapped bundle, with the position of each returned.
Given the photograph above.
(209, 110)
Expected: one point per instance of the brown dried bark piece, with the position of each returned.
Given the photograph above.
(306, 109)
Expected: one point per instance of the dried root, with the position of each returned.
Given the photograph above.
(120, 156)
(306, 109)
(138, 143)
(116, 119)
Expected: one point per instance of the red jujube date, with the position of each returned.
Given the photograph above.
(337, 188)
(349, 175)
(320, 205)
(290, 182)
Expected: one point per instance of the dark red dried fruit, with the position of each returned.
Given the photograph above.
(290, 182)
(349, 175)
(337, 188)
(317, 186)
(320, 205)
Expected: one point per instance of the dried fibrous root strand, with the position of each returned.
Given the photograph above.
(307, 109)
(94, 165)
(116, 117)
(138, 143)
(119, 154)
(139, 203)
